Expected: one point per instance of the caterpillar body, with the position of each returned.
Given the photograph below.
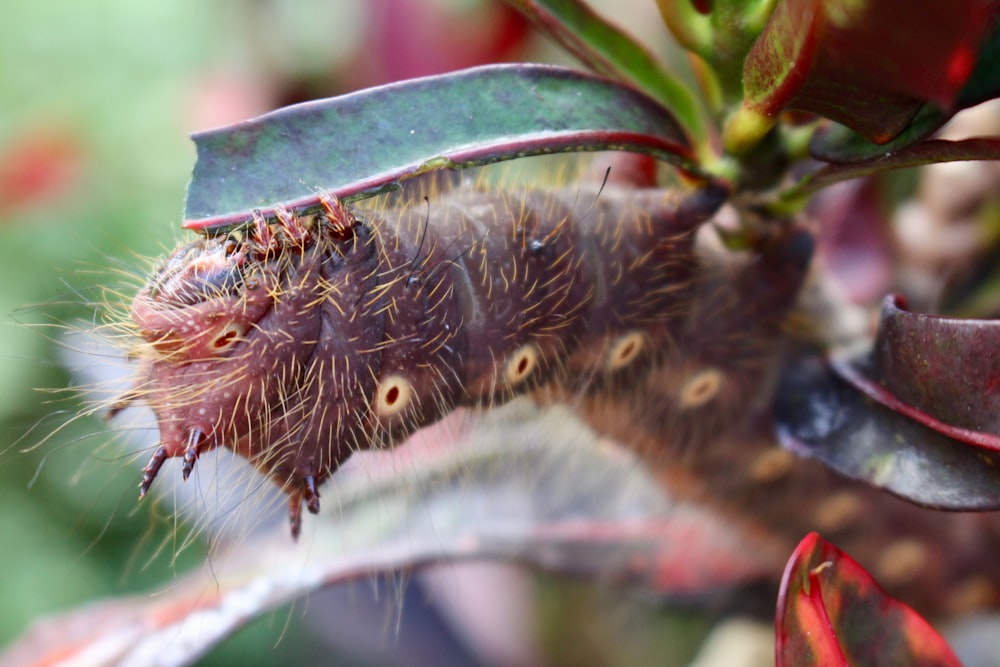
(296, 340)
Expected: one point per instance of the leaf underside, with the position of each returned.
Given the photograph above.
(366, 142)
(820, 415)
(516, 483)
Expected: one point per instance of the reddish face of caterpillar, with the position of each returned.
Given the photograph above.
(232, 328)
(300, 340)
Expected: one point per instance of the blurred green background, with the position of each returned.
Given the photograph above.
(98, 99)
(93, 163)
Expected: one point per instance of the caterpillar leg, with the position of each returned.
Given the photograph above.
(152, 468)
(195, 441)
(195, 444)
(307, 494)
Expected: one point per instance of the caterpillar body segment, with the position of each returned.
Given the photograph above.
(298, 340)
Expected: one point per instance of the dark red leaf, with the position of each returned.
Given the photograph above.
(867, 65)
(942, 372)
(832, 612)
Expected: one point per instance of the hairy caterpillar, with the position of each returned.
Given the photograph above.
(297, 340)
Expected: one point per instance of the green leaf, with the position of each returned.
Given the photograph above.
(720, 32)
(613, 53)
(832, 612)
(837, 144)
(359, 144)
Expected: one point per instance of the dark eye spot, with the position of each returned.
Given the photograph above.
(701, 388)
(625, 350)
(393, 396)
(522, 364)
(225, 339)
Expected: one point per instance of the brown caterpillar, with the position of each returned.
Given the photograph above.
(298, 340)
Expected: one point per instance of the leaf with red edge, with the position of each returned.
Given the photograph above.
(517, 483)
(832, 612)
(820, 415)
(868, 65)
(942, 372)
(919, 415)
(836, 143)
(359, 144)
(923, 153)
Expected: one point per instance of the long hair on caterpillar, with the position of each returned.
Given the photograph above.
(580, 382)
(297, 340)
(82, 461)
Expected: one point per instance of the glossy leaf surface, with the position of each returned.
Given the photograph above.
(942, 371)
(836, 143)
(359, 144)
(820, 415)
(832, 612)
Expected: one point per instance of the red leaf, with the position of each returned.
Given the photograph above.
(940, 371)
(868, 65)
(831, 612)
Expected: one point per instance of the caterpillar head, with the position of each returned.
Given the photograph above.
(229, 327)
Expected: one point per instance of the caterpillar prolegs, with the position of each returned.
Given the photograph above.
(296, 340)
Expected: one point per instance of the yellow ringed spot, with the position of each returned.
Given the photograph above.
(701, 388)
(394, 394)
(624, 350)
(521, 364)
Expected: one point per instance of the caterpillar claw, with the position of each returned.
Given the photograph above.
(294, 231)
(340, 219)
(151, 469)
(295, 515)
(311, 495)
(262, 233)
(192, 452)
(307, 494)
